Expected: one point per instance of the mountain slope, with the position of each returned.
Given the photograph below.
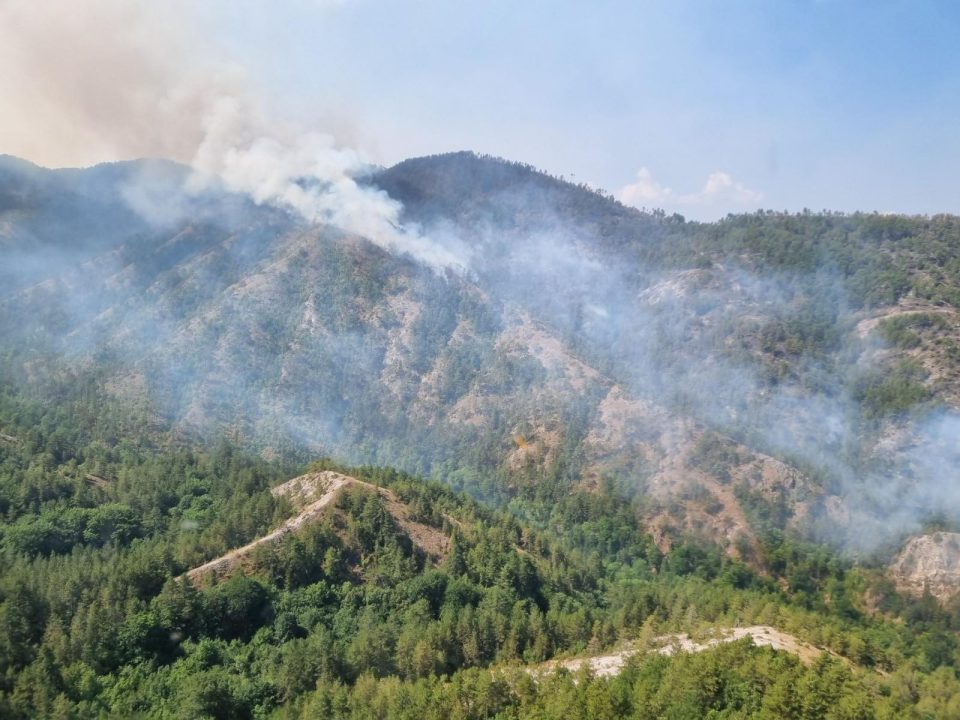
(106, 508)
(728, 375)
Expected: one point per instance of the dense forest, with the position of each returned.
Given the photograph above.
(348, 618)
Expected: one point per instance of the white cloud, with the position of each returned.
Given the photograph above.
(645, 192)
(720, 187)
(719, 195)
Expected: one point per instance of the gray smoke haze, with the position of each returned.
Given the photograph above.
(107, 79)
(240, 313)
(667, 336)
(99, 80)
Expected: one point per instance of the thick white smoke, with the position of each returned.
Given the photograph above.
(89, 81)
(307, 172)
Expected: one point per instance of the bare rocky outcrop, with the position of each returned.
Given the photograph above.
(929, 562)
(689, 473)
(528, 339)
(906, 306)
(611, 664)
(398, 371)
(935, 346)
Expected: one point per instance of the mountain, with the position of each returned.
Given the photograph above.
(625, 409)
(804, 360)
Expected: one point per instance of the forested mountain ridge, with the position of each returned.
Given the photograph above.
(649, 405)
(585, 341)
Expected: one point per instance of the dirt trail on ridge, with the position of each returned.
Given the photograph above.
(311, 494)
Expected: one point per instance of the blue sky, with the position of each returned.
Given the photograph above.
(701, 107)
(831, 104)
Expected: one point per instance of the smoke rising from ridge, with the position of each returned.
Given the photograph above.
(315, 336)
(100, 80)
(133, 83)
(308, 173)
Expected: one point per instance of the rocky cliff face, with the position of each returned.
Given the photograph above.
(929, 563)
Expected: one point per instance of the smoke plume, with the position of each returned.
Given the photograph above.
(101, 80)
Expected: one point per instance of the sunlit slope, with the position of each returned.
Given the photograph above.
(793, 371)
